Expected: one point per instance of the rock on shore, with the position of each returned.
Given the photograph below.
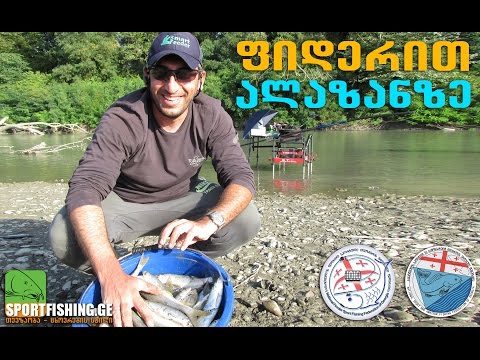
(280, 268)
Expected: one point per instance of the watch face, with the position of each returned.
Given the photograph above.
(217, 218)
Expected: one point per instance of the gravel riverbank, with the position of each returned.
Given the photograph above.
(284, 261)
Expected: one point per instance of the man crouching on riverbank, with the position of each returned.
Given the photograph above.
(140, 177)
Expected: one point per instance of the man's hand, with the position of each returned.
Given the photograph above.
(123, 292)
(119, 289)
(182, 233)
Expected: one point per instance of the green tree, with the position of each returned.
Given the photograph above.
(12, 67)
(40, 70)
(25, 100)
(133, 51)
(38, 49)
(87, 55)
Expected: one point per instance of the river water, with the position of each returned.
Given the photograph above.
(444, 163)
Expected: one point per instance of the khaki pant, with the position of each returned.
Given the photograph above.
(128, 221)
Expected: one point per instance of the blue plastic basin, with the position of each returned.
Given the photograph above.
(161, 261)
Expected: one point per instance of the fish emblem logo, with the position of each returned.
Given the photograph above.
(22, 287)
(357, 282)
(440, 281)
(25, 286)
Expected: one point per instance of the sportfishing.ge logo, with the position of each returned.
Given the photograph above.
(25, 287)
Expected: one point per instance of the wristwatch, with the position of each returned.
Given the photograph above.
(217, 218)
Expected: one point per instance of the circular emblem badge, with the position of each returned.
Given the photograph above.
(357, 282)
(440, 281)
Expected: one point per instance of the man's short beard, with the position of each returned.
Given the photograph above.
(160, 110)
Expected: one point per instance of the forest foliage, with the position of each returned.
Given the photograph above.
(72, 77)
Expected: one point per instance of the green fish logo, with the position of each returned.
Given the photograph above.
(27, 286)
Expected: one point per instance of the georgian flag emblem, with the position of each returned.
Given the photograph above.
(440, 281)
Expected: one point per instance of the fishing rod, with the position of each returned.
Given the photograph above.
(324, 126)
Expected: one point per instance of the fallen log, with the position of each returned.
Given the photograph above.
(39, 128)
(42, 148)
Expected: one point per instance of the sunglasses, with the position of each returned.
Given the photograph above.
(181, 75)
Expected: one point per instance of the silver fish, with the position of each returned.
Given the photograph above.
(188, 296)
(141, 264)
(213, 303)
(159, 319)
(163, 316)
(202, 296)
(167, 315)
(165, 297)
(137, 320)
(179, 281)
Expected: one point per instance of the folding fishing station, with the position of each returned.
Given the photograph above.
(292, 147)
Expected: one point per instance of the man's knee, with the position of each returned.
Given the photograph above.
(57, 234)
(63, 243)
(248, 222)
